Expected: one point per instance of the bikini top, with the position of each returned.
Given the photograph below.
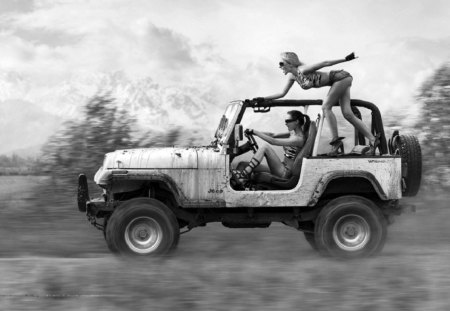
(291, 152)
(309, 80)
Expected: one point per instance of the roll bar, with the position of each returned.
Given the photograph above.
(377, 121)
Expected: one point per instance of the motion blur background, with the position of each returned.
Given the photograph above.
(82, 78)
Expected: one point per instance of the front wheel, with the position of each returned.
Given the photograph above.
(142, 227)
(350, 227)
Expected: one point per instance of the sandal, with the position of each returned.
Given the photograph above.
(253, 164)
(242, 177)
(370, 150)
(336, 140)
(337, 147)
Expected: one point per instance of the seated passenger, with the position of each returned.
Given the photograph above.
(292, 142)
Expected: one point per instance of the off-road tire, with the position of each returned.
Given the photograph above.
(408, 147)
(350, 227)
(111, 246)
(146, 216)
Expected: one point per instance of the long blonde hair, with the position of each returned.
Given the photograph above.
(291, 58)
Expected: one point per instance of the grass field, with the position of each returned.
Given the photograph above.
(52, 259)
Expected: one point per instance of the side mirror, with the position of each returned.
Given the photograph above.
(238, 133)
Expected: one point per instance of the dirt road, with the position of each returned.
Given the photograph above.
(52, 259)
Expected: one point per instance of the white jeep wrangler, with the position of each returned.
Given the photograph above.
(342, 204)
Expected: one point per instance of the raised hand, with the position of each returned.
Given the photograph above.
(350, 56)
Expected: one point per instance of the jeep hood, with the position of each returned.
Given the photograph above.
(152, 158)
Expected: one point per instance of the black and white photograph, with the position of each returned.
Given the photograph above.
(224, 155)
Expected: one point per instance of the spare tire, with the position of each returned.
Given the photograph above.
(408, 147)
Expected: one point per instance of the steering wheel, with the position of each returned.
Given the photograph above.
(251, 140)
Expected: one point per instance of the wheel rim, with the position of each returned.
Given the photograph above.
(351, 232)
(143, 235)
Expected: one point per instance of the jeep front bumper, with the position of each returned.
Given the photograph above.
(92, 207)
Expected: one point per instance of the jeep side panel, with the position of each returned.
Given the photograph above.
(212, 178)
(208, 185)
(196, 176)
(383, 173)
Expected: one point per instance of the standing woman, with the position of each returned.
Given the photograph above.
(339, 81)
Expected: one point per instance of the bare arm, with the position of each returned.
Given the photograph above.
(290, 141)
(285, 90)
(305, 69)
(280, 135)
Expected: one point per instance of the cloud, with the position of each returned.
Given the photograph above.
(42, 36)
(391, 71)
(169, 48)
(58, 40)
(217, 51)
(7, 7)
(24, 125)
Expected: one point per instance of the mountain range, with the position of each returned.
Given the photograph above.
(29, 113)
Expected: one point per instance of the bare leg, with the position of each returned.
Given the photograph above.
(348, 114)
(340, 91)
(260, 168)
(275, 164)
(332, 97)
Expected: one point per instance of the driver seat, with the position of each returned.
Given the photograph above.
(267, 181)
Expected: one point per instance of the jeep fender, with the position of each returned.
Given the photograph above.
(159, 178)
(328, 177)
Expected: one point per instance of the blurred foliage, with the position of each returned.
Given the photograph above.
(433, 129)
(81, 145)
(17, 165)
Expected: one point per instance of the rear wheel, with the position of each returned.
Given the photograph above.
(350, 227)
(142, 227)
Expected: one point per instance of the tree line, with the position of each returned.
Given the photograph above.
(17, 165)
(82, 143)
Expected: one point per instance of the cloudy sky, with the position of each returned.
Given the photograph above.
(228, 49)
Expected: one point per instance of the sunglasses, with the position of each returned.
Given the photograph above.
(289, 120)
(283, 64)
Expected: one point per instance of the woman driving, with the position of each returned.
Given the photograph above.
(297, 124)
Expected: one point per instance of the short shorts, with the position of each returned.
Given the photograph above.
(287, 171)
(338, 75)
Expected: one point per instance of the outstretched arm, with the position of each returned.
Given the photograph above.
(291, 141)
(285, 90)
(305, 69)
(280, 135)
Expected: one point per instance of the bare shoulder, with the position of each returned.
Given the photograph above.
(290, 76)
(299, 139)
(302, 69)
